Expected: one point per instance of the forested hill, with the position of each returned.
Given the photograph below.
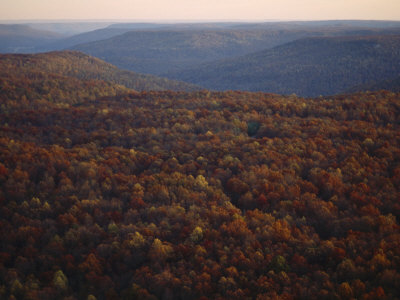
(179, 47)
(392, 84)
(81, 66)
(307, 67)
(109, 193)
(202, 195)
(160, 51)
(86, 37)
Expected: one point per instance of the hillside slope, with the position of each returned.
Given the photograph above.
(157, 52)
(392, 84)
(179, 46)
(162, 51)
(81, 66)
(307, 67)
(18, 38)
(70, 28)
(86, 37)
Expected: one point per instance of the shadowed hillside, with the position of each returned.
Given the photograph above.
(174, 48)
(86, 37)
(23, 38)
(307, 67)
(392, 84)
(157, 52)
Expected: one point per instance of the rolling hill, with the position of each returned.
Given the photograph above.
(108, 193)
(70, 28)
(159, 51)
(83, 67)
(86, 37)
(23, 38)
(392, 84)
(180, 46)
(307, 67)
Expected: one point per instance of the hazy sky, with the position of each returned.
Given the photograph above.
(199, 9)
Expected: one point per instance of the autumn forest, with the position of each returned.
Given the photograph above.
(111, 193)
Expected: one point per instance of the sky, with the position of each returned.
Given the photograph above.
(217, 10)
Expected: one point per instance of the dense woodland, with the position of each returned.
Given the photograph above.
(225, 195)
(309, 58)
(162, 51)
(386, 84)
(31, 69)
(308, 67)
(165, 49)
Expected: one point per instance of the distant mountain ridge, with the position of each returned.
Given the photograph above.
(23, 38)
(160, 51)
(70, 28)
(309, 58)
(307, 67)
(86, 37)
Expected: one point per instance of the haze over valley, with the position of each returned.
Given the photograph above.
(305, 58)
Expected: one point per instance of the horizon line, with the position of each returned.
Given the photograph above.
(186, 20)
